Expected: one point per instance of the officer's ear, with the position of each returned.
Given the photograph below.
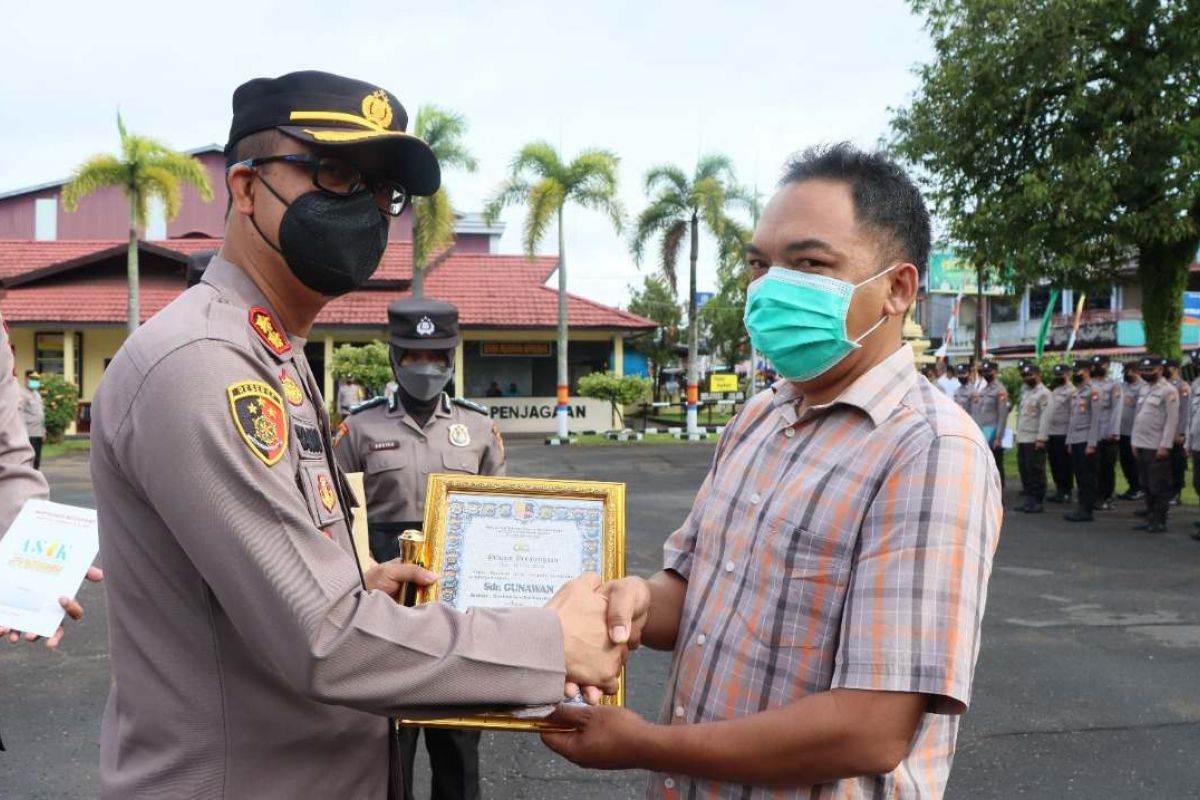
(902, 289)
(240, 180)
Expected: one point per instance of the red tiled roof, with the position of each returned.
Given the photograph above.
(491, 291)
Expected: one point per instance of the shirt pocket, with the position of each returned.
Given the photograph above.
(319, 486)
(796, 588)
(461, 460)
(385, 461)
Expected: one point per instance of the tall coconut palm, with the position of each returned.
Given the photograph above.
(145, 169)
(678, 208)
(544, 183)
(433, 217)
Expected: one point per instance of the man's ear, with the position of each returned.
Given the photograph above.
(902, 289)
(240, 181)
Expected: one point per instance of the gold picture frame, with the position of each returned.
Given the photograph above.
(453, 500)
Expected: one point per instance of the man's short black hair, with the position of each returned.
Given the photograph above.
(885, 198)
(255, 145)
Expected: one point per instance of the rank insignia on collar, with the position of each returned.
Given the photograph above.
(268, 329)
(291, 389)
(325, 492)
(459, 435)
(259, 417)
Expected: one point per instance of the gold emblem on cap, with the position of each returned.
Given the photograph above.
(378, 109)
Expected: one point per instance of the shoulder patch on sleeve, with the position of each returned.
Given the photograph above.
(365, 404)
(476, 407)
(259, 418)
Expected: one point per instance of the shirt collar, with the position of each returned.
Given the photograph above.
(876, 392)
(234, 283)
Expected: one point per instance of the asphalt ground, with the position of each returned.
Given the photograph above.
(1088, 684)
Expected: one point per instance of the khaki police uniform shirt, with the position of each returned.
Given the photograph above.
(1060, 409)
(396, 455)
(1033, 415)
(1184, 401)
(963, 396)
(1193, 412)
(1129, 400)
(19, 481)
(1084, 426)
(33, 412)
(1157, 417)
(1109, 407)
(247, 659)
(989, 407)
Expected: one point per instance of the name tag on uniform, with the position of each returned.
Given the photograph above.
(384, 446)
(309, 438)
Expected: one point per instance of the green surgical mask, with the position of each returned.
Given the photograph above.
(798, 320)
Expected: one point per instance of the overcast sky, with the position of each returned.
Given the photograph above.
(654, 81)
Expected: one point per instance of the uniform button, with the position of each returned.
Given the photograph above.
(754, 498)
(729, 566)
(679, 711)
(701, 639)
(424, 469)
(669, 783)
(789, 432)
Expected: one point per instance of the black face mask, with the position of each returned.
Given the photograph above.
(1077, 380)
(1059, 381)
(1031, 382)
(988, 376)
(1099, 374)
(1149, 377)
(964, 381)
(332, 244)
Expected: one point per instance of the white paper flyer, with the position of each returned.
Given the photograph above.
(44, 556)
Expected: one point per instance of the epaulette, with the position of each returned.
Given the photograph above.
(476, 407)
(365, 404)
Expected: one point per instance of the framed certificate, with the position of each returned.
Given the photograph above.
(512, 542)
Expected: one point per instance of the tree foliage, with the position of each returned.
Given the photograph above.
(619, 392)
(433, 217)
(1060, 139)
(656, 301)
(60, 399)
(369, 364)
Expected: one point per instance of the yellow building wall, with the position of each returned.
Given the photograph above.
(98, 344)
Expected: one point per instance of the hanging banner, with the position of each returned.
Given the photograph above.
(1191, 308)
(949, 274)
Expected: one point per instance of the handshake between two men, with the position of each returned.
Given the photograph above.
(601, 622)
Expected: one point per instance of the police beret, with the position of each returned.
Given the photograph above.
(962, 369)
(987, 365)
(1151, 361)
(1060, 369)
(335, 112)
(1101, 360)
(422, 323)
(1194, 355)
(1081, 363)
(1030, 368)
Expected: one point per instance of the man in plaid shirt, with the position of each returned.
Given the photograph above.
(824, 597)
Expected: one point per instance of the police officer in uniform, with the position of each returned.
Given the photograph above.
(989, 409)
(1110, 431)
(1193, 431)
(1178, 451)
(966, 389)
(1132, 386)
(396, 442)
(250, 657)
(1033, 424)
(1057, 452)
(1154, 431)
(1083, 436)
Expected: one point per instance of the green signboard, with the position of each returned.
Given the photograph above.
(949, 274)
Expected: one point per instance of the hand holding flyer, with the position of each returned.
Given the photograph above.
(43, 556)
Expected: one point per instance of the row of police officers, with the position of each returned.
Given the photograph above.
(1148, 423)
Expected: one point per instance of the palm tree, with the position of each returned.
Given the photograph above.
(145, 169)
(544, 183)
(433, 217)
(679, 208)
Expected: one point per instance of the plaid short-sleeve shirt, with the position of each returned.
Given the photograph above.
(847, 547)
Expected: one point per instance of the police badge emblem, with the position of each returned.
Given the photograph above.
(258, 416)
(459, 435)
(291, 389)
(425, 327)
(325, 490)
